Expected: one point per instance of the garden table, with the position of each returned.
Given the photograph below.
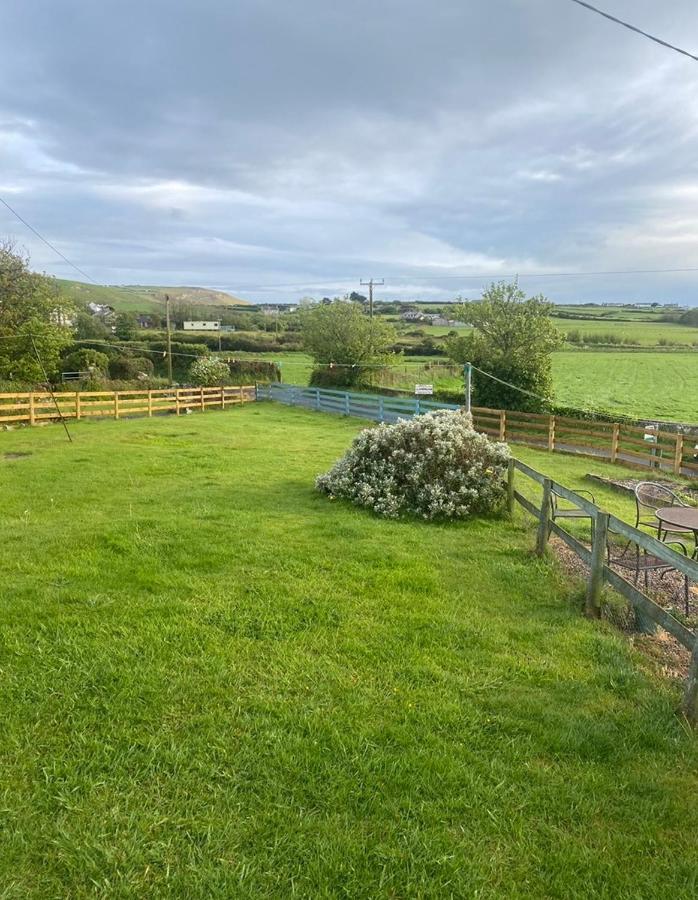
(679, 517)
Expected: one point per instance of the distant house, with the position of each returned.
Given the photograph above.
(100, 310)
(412, 315)
(201, 326)
(227, 328)
(144, 321)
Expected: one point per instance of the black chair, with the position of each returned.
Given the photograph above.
(558, 511)
(649, 497)
(643, 562)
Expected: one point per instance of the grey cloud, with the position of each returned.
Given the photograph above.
(260, 143)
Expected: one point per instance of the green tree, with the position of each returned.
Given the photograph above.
(34, 320)
(125, 326)
(89, 327)
(345, 344)
(86, 360)
(513, 339)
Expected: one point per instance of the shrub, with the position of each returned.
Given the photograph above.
(434, 466)
(209, 371)
(130, 368)
(245, 371)
(86, 361)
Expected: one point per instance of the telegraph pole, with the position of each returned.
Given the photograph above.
(370, 284)
(169, 339)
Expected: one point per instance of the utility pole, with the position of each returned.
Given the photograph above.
(370, 284)
(468, 385)
(169, 339)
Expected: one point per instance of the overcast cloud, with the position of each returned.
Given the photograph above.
(280, 149)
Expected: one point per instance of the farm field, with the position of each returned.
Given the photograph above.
(646, 384)
(218, 683)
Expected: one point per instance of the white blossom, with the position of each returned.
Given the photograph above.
(434, 466)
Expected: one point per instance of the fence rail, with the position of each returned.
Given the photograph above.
(38, 407)
(648, 611)
(612, 442)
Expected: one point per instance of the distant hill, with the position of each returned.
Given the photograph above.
(144, 298)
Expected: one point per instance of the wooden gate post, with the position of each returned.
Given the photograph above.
(615, 441)
(32, 415)
(678, 454)
(511, 469)
(544, 522)
(78, 411)
(690, 697)
(592, 607)
(551, 433)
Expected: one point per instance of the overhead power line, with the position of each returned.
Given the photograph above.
(47, 242)
(646, 34)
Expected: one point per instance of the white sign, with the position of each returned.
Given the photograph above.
(424, 388)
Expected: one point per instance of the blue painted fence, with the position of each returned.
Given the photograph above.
(379, 407)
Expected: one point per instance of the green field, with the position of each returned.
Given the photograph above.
(645, 384)
(218, 683)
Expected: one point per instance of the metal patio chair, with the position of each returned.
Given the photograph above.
(641, 562)
(559, 511)
(649, 497)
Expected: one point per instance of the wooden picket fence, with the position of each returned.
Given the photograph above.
(37, 407)
(614, 442)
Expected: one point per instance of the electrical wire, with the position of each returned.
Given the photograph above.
(634, 28)
(47, 242)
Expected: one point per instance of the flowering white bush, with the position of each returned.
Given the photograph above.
(209, 371)
(434, 466)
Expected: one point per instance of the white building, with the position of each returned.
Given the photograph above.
(201, 326)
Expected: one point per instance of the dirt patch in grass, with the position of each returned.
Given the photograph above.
(669, 656)
(20, 454)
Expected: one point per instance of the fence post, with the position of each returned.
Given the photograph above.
(678, 454)
(592, 607)
(551, 433)
(511, 469)
(116, 404)
(32, 415)
(502, 424)
(203, 405)
(346, 403)
(177, 400)
(78, 411)
(615, 441)
(381, 409)
(317, 399)
(417, 408)
(150, 404)
(544, 522)
(690, 697)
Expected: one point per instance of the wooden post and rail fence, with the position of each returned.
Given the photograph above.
(613, 442)
(36, 407)
(649, 613)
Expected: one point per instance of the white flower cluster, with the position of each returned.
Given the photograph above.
(434, 466)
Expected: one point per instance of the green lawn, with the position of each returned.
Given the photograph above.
(218, 683)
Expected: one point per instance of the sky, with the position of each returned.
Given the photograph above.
(280, 150)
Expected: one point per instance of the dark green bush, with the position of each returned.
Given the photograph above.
(85, 360)
(247, 371)
(130, 368)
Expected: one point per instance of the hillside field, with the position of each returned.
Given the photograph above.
(143, 298)
(217, 683)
